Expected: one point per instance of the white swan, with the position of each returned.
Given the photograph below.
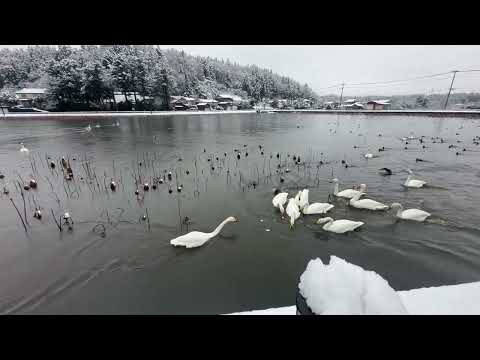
(317, 208)
(292, 211)
(366, 203)
(279, 200)
(88, 128)
(413, 183)
(23, 148)
(97, 126)
(338, 226)
(197, 238)
(368, 156)
(348, 193)
(297, 198)
(410, 214)
(303, 199)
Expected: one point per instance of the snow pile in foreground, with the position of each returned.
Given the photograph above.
(341, 288)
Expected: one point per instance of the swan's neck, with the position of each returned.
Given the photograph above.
(355, 198)
(335, 189)
(400, 211)
(219, 228)
(408, 179)
(328, 224)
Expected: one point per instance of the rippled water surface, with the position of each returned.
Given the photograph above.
(112, 262)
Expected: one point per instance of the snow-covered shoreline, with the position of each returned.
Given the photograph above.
(120, 113)
(461, 299)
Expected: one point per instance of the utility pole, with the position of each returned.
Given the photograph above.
(449, 91)
(341, 96)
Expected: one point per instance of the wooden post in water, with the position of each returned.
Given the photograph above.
(449, 91)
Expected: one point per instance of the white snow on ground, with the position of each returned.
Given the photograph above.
(462, 299)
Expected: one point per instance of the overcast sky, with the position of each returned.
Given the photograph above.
(322, 66)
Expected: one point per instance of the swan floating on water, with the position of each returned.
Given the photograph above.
(279, 200)
(412, 182)
(88, 128)
(366, 203)
(410, 214)
(303, 199)
(23, 149)
(339, 226)
(348, 193)
(292, 211)
(317, 208)
(196, 238)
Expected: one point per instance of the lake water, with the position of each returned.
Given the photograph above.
(113, 263)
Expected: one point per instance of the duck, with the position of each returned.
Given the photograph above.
(317, 208)
(339, 226)
(279, 200)
(196, 238)
(412, 183)
(366, 203)
(23, 149)
(410, 214)
(113, 185)
(292, 211)
(347, 193)
(385, 171)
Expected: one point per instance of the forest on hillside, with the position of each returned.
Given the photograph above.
(86, 78)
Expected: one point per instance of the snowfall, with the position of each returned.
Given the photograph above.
(341, 288)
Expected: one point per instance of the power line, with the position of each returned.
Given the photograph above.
(399, 80)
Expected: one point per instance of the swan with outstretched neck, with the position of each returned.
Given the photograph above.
(339, 226)
(410, 214)
(347, 193)
(196, 238)
(368, 204)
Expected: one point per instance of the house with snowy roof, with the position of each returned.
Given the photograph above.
(378, 105)
(26, 96)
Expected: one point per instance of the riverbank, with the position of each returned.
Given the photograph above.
(434, 113)
(449, 113)
(119, 113)
(462, 299)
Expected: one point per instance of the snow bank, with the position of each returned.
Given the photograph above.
(462, 299)
(342, 288)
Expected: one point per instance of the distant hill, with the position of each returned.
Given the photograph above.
(88, 77)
